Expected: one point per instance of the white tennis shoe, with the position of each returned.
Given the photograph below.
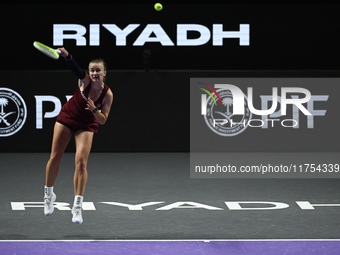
(48, 204)
(77, 215)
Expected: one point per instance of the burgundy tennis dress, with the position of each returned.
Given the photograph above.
(73, 114)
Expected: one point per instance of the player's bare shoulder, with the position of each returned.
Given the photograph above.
(82, 84)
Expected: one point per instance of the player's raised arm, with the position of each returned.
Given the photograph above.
(83, 77)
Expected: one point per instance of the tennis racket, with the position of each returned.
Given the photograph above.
(52, 53)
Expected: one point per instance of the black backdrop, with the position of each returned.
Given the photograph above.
(286, 39)
(282, 36)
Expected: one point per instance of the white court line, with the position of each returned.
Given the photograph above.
(193, 240)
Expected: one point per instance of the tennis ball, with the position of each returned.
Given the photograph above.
(158, 7)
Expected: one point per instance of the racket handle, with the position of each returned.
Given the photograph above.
(58, 51)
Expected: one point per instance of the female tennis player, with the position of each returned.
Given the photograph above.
(81, 115)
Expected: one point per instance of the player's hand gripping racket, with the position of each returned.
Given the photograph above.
(52, 53)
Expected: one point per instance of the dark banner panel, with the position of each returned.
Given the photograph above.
(209, 36)
(149, 113)
(152, 112)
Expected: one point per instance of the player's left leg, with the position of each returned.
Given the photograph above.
(83, 140)
(61, 137)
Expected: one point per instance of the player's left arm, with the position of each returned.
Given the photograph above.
(106, 107)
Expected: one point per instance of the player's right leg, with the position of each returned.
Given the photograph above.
(83, 140)
(61, 137)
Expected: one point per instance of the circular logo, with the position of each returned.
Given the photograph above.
(13, 112)
(220, 118)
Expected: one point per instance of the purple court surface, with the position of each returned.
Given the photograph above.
(253, 247)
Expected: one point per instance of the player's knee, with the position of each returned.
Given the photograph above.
(81, 165)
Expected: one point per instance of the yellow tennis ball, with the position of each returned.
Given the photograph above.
(158, 7)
